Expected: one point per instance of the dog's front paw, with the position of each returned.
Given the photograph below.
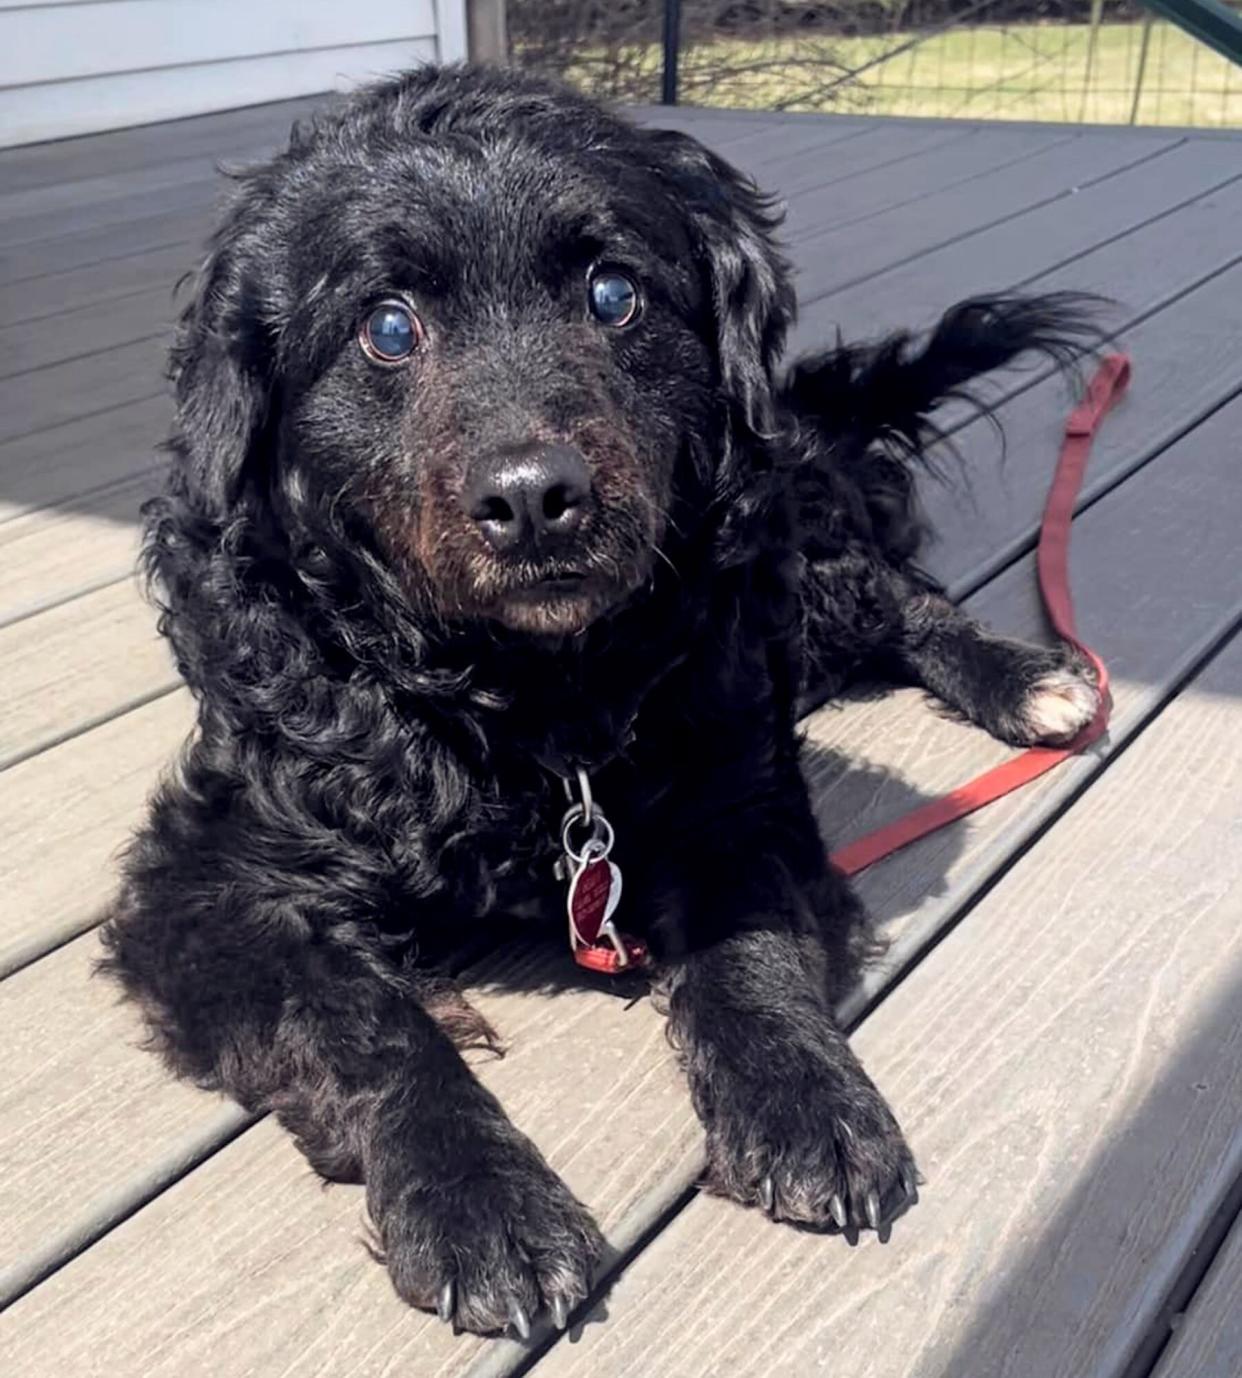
(491, 1247)
(821, 1150)
(1058, 704)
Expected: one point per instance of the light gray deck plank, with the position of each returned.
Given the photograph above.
(1068, 1064)
(76, 1088)
(65, 815)
(276, 1240)
(78, 664)
(1208, 1340)
(55, 553)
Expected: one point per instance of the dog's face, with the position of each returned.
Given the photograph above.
(515, 357)
(496, 331)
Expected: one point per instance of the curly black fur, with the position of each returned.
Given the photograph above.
(387, 704)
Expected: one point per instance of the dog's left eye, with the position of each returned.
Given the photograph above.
(390, 333)
(614, 299)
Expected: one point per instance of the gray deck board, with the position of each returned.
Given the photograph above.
(910, 288)
(947, 166)
(65, 814)
(86, 331)
(77, 459)
(1208, 1339)
(76, 289)
(116, 1176)
(984, 506)
(145, 146)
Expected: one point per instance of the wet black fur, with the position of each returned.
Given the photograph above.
(374, 780)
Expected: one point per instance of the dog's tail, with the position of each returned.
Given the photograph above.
(860, 396)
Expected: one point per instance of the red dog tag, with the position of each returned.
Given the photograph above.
(594, 893)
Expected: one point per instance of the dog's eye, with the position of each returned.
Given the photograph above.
(390, 334)
(614, 299)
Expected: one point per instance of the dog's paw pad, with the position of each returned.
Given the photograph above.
(1059, 705)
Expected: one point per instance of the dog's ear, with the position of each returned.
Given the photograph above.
(733, 225)
(222, 364)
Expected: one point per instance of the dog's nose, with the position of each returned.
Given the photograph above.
(528, 498)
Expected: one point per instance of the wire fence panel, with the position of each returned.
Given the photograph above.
(1095, 61)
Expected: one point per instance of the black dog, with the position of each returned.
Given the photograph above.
(483, 478)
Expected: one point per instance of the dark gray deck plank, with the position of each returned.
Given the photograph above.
(886, 271)
(835, 163)
(79, 332)
(985, 510)
(132, 297)
(79, 387)
(144, 146)
(199, 193)
(110, 378)
(109, 244)
(1208, 1340)
(83, 456)
(74, 289)
(784, 143)
(945, 167)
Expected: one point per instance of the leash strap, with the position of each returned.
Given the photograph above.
(1052, 566)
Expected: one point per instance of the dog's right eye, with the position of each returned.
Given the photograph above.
(390, 334)
(613, 298)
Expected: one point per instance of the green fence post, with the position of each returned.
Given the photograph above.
(1207, 20)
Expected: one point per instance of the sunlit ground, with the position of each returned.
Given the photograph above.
(1016, 72)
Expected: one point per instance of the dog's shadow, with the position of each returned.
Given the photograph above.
(850, 798)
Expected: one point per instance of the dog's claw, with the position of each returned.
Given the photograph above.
(560, 1312)
(908, 1184)
(836, 1208)
(519, 1319)
(873, 1210)
(767, 1195)
(445, 1302)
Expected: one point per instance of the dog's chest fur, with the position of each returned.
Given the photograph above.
(654, 711)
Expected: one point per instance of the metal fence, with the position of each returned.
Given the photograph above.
(1170, 62)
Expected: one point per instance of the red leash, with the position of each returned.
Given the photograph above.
(1052, 564)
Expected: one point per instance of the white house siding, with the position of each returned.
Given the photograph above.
(75, 66)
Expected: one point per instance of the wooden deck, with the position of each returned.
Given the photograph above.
(1059, 1021)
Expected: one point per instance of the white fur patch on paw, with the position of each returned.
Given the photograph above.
(1060, 705)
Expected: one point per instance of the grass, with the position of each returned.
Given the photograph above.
(1018, 72)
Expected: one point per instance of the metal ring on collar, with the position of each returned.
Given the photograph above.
(599, 828)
